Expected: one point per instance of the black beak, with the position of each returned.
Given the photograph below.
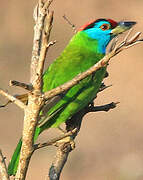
(127, 24)
(122, 27)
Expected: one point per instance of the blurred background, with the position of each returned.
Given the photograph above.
(109, 145)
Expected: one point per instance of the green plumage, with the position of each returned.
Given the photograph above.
(80, 54)
(84, 50)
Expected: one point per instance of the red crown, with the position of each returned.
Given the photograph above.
(112, 22)
(86, 25)
(91, 23)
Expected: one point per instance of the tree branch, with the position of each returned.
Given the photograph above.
(65, 147)
(43, 24)
(3, 168)
(103, 62)
(105, 107)
(75, 122)
(54, 140)
(59, 161)
(35, 99)
(13, 99)
(44, 47)
(20, 84)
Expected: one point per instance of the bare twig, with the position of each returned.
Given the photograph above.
(54, 140)
(43, 51)
(35, 100)
(103, 62)
(65, 148)
(40, 13)
(59, 161)
(76, 120)
(23, 98)
(70, 23)
(43, 24)
(20, 84)
(47, 5)
(3, 168)
(13, 99)
(51, 43)
(128, 34)
(105, 107)
(113, 44)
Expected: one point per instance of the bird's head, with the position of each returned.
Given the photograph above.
(103, 30)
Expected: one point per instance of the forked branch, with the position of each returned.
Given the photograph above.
(35, 99)
(43, 24)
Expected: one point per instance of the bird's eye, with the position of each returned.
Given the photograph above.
(105, 27)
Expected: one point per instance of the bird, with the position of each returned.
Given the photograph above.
(86, 48)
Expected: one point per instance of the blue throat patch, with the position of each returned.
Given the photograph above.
(103, 37)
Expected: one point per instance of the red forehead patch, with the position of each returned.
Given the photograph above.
(112, 22)
(86, 25)
(91, 24)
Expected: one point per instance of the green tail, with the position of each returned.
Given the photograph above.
(81, 53)
(12, 167)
